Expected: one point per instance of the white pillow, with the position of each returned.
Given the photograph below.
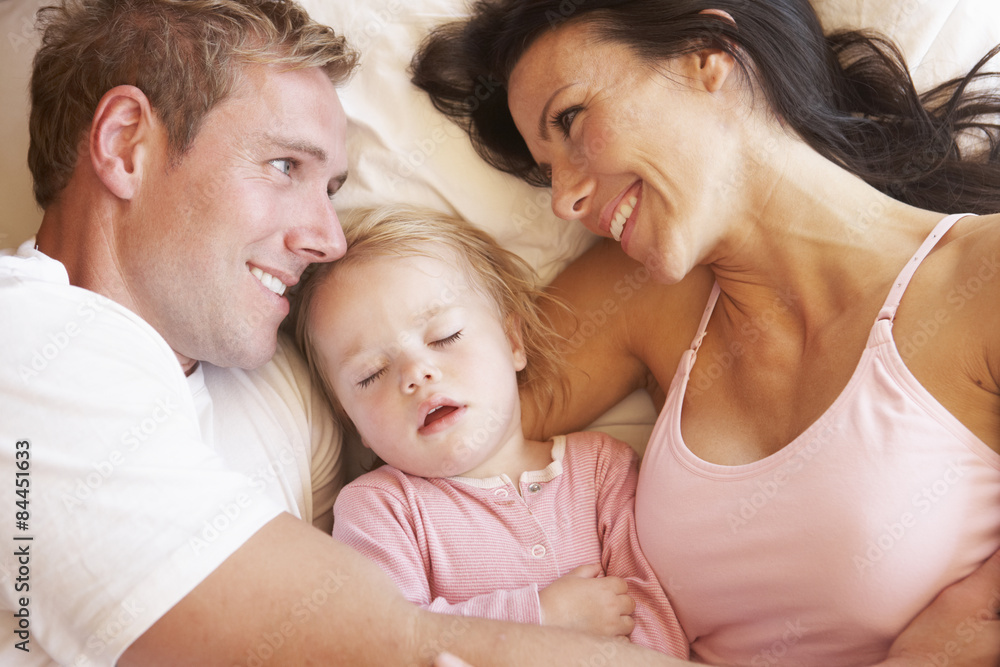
(941, 39)
(402, 150)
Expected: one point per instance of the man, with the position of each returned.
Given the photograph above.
(157, 498)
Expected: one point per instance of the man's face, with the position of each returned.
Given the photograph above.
(219, 233)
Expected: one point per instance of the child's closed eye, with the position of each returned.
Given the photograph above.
(371, 378)
(449, 340)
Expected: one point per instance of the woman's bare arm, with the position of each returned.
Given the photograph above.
(960, 627)
(623, 332)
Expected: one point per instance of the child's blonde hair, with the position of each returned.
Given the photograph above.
(499, 274)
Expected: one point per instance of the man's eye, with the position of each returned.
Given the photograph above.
(284, 165)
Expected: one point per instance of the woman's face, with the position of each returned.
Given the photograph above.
(636, 153)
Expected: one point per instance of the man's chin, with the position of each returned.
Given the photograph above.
(252, 354)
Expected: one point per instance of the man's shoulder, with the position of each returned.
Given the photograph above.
(37, 289)
(280, 392)
(49, 324)
(27, 262)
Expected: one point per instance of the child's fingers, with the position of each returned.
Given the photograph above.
(627, 604)
(588, 571)
(627, 626)
(616, 585)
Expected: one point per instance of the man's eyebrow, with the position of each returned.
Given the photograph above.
(298, 146)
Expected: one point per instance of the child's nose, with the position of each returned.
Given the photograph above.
(417, 373)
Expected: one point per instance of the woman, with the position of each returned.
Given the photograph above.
(828, 451)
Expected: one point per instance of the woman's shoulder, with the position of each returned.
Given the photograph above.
(605, 284)
(972, 274)
(969, 256)
(947, 329)
(622, 330)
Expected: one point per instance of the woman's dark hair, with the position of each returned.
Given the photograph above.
(848, 95)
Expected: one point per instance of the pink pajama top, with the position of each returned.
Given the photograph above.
(821, 553)
(485, 547)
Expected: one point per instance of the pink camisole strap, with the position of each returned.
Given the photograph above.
(892, 301)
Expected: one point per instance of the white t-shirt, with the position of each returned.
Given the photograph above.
(139, 481)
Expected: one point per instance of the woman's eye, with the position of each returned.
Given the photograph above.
(563, 120)
(449, 340)
(371, 378)
(284, 165)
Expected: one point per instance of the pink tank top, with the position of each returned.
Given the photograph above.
(821, 553)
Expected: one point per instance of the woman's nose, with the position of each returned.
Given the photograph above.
(572, 191)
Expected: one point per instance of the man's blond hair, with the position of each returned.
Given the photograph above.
(185, 55)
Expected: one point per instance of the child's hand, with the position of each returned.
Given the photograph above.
(585, 601)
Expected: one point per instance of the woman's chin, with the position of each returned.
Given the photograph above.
(663, 269)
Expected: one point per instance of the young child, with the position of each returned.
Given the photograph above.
(420, 336)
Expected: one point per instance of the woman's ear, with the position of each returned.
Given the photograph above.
(717, 64)
(512, 325)
(721, 13)
(120, 139)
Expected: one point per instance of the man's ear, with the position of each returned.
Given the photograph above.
(516, 340)
(121, 137)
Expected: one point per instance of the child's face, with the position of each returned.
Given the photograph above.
(422, 364)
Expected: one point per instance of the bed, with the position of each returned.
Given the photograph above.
(402, 150)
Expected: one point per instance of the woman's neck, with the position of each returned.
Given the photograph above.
(814, 236)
